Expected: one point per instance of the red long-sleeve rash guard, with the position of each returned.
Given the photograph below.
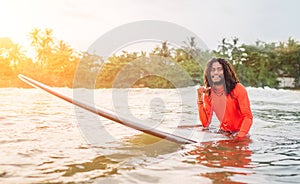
(233, 111)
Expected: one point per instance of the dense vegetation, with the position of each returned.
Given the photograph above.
(58, 64)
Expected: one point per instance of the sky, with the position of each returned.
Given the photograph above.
(81, 22)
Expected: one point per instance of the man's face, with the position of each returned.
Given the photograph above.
(217, 73)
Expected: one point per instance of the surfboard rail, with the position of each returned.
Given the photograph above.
(107, 113)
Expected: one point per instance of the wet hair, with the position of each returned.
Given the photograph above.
(230, 77)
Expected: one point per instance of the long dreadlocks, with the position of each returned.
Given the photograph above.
(230, 76)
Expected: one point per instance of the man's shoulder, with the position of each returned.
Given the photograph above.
(239, 85)
(239, 88)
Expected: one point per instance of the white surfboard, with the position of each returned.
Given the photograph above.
(108, 113)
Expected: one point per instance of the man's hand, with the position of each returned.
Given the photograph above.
(237, 135)
(201, 90)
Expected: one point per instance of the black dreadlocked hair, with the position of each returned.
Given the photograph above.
(230, 76)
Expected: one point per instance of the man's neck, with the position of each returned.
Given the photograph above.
(218, 86)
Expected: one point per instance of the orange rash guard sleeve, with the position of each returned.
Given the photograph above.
(205, 111)
(244, 103)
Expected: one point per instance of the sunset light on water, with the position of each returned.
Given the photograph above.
(129, 73)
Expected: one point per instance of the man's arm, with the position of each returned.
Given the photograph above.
(243, 100)
(204, 109)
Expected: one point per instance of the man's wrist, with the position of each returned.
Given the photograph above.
(241, 134)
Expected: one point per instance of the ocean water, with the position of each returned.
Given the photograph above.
(46, 140)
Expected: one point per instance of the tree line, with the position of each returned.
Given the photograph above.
(57, 64)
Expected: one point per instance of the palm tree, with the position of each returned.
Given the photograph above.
(16, 56)
(43, 43)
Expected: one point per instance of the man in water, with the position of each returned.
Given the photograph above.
(224, 95)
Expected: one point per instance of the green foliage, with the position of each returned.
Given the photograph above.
(261, 64)
(57, 64)
(165, 67)
(288, 55)
(86, 71)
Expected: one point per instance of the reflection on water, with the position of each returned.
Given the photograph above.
(226, 154)
(98, 163)
(40, 141)
(149, 146)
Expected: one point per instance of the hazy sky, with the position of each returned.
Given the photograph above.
(81, 22)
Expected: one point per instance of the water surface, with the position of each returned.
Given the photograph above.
(46, 140)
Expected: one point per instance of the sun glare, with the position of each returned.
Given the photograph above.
(13, 18)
